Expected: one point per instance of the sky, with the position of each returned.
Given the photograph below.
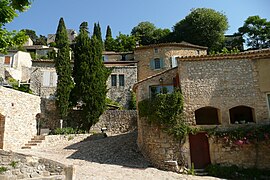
(123, 15)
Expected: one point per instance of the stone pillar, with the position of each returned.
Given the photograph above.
(70, 172)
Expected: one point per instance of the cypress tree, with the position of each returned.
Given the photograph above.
(91, 77)
(81, 54)
(63, 69)
(109, 41)
(97, 33)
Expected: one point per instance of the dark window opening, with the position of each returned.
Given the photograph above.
(241, 114)
(113, 80)
(123, 57)
(157, 64)
(121, 80)
(207, 116)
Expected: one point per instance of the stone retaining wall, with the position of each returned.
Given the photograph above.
(25, 167)
(19, 110)
(53, 140)
(165, 152)
(247, 155)
(117, 121)
(162, 150)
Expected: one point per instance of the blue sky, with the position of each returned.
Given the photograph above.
(123, 15)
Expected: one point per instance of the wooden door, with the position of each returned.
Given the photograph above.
(2, 129)
(199, 150)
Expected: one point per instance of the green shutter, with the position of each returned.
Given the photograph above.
(152, 64)
(161, 63)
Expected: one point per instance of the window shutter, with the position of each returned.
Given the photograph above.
(161, 63)
(173, 61)
(152, 64)
(54, 79)
(46, 78)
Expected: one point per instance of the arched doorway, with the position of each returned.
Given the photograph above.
(207, 116)
(2, 129)
(241, 114)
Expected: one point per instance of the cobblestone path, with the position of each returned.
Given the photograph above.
(111, 158)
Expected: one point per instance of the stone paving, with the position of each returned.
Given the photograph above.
(110, 158)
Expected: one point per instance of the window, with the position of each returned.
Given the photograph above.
(49, 79)
(113, 80)
(105, 58)
(207, 116)
(165, 89)
(121, 80)
(241, 114)
(156, 63)
(123, 57)
(7, 60)
(156, 50)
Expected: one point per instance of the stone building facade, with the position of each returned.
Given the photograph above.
(157, 58)
(15, 64)
(18, 111)
(219, 91)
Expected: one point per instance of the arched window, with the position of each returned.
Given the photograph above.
(241, 114)
(207, 116)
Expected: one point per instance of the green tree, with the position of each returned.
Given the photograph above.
(147, 33)
(97, 32)
(82, 53)
(90, 76)
(256, 32)
(109, 43)
(8, 11)
(63, 69)
(42, 40)
(203, 26)
(124, 43)
(144, 32)
(31, 33)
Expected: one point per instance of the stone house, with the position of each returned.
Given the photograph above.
(40, 51)
(18, 112)
(72, 34)
(15, 64)
(222, 91)
(157, 58)
(119, 83)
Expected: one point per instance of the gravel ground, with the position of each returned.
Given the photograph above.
(110, 158)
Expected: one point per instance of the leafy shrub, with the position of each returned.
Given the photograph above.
(67, 130)
(23, 87)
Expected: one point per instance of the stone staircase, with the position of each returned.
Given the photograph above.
(34, 142)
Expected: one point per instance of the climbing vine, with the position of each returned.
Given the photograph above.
(166, 110)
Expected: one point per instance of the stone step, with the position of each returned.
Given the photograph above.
(31, 144)
(35, 141)
(38, 138)
(26, 147)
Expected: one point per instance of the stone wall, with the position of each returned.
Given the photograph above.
(20, 110)
(142, 88)
(144, 55)
(222, 84)
(37, 79)
(162, 150)
(28, 167)
(117, 121)
(122, 94)
(247, 155)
